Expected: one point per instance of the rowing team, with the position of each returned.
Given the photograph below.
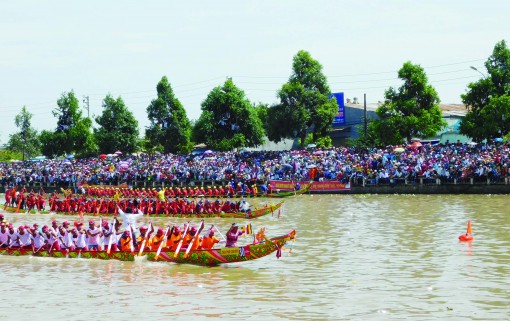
(106, 236)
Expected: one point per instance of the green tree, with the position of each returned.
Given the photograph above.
(8, 155)
(304, 105)
(228, 120)
(51, 143)
(488, 99)
(73, 134)
(118, 128)
(409, 111)
(169, 124)
(26, 140)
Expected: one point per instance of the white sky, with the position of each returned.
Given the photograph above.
(125, 47)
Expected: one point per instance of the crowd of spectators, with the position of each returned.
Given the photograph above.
(446, 162)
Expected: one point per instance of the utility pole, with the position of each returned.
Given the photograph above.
(365, 113)
(86, 102)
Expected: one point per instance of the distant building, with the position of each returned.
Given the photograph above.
(452, 114)
(354, 120)
(350, 119)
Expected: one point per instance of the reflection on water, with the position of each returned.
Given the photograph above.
(360, 257)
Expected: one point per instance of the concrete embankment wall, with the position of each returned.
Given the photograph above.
(431, 189)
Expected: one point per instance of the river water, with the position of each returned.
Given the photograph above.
(356, 257)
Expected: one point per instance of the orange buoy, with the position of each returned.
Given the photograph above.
(469, 234)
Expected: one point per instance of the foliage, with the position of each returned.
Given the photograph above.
(118, 128)
(262, 111)
(26, 140)
(371, 138)
(228, 120)
(50, 143)
(73, 133)
(321, 142)
(149, 148)
(409, 111)
(488, 99)
(304, 105)
(7, 155)
(169, 124)
(324, 142)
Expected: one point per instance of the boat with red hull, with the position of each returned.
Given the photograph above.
(255, 213)
(212, 257)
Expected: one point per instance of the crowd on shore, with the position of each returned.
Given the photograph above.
(346, 164)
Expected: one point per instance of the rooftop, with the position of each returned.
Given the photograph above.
(447, 109)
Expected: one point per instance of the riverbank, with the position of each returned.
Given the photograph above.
(361, 186)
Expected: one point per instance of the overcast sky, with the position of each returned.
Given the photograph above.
(125, 47)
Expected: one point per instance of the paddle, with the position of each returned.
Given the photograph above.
(51, 247)
(182, 240)
(3, 243)
(145, 239)
(197, 234)
(99, 207)
(100, 231)
(131, 238)
(110, 240)
(162, 241)
(19, 204)
(223, 237)
(37, 250)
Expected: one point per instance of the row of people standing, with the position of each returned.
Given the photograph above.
(148, 206)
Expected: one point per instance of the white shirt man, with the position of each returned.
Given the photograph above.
(38, 239)
(107, 234)
(93, 233)
(80, 239)
(65, 238)
(13, 237)
(4, 236)
(245, 206)
(129, 219)
(24, 238)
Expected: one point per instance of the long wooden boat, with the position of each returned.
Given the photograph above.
(255, 213)
(211, 257)
(303, 190)
(226, 255)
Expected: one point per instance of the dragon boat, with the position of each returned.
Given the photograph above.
(213, 257)
(291, 193)
(255, 213)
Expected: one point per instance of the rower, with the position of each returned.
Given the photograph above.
(65, 238)
(93, 233)
(79, 237)
(191, 237)
(209, 241)
(4, 235)
(24, 240)
(37, 238)
(232, 235)
(174, 239)
(12, 236)
(50, 238)
(156, 240)
(145, 233)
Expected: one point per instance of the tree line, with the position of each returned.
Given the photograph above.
(305, 112)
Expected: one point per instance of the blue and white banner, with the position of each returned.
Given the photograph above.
(340, 116)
